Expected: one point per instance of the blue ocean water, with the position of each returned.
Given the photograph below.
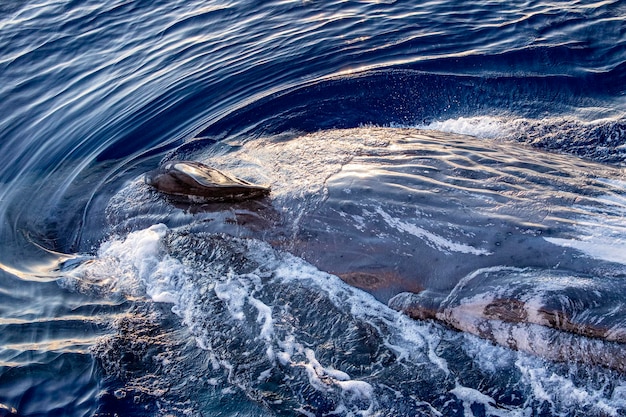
(466, 152)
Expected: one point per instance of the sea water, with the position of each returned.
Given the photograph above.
(460, 162)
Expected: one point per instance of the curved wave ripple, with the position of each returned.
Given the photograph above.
(93, 94)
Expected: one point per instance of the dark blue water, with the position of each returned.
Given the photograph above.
(474, 150)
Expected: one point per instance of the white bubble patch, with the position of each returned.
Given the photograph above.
(482, 127)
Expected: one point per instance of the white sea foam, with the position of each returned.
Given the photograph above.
(556, 389)
(471, 396)
(146, 264)
(483, 126)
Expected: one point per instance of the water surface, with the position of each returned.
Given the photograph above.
(409, 147)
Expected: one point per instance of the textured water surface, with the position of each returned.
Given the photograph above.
(460, 162)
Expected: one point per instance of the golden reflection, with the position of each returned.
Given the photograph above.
(357, 40)
(11, 410)
(80, 346)
(82, 319)
(39, 272)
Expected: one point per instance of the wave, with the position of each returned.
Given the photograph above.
(94, 95)
(600, 140)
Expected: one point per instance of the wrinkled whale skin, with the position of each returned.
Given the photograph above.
(563, 323)
(195, 182)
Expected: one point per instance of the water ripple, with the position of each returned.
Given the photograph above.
(92, 94)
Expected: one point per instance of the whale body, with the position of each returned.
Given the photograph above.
(555, 314)
(521, 248)
(195, 182)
